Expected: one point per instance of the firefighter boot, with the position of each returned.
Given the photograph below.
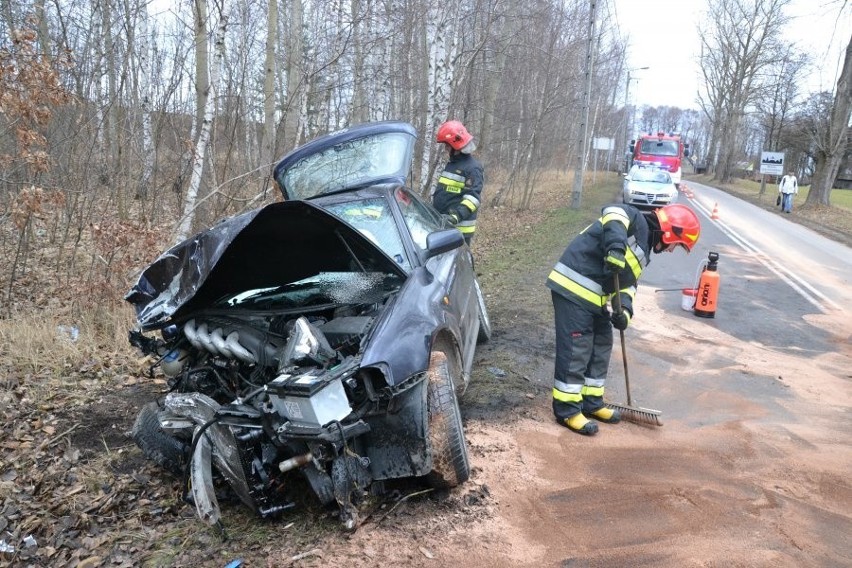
(604, 414)
(580, 424)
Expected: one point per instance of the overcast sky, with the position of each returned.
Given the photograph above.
(663, 36)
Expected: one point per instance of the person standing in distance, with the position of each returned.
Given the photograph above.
(788, 187)
(582, 283)
(458, 191)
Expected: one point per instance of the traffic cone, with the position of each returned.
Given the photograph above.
(715, 214)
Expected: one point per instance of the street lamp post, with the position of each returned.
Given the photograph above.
(627, 113)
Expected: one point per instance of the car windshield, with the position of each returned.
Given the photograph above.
(321, 290)
(353, 163)
(656, 176)
(659, 147)
(373, 218)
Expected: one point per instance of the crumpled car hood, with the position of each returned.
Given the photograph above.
(274, 245)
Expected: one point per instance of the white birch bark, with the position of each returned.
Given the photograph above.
(199, 157)
(144, 55)
(441, 23)
(269, 99)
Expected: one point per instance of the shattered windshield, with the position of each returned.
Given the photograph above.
(349, 164)
(325, 288)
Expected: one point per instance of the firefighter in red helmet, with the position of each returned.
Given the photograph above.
(459, 189)
(620, 241)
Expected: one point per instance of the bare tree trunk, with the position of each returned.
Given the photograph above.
(144, 53)
(583, 138)
(441, 32)
(831, 148)
(359, 97)
(202, 49)
(295, 73)
(43, 33)
(111, 99)
(269, 99)
(203, 133)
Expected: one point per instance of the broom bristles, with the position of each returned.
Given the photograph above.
(638, 415)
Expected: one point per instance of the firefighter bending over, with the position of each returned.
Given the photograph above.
(582, 283)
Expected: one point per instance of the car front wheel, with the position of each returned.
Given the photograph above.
(164, 450)
(450, 463)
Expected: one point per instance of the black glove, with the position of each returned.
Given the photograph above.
(614, 260)
(620, 320)
(450, 218)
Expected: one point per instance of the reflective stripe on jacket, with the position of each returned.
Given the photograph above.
(459, 190)
(581, 275)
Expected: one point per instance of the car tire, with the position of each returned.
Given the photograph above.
(484, 321)
(450, 463)
(164, 450)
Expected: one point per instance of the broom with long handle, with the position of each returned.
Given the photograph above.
(629, 412)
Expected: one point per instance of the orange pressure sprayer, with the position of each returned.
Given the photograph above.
(708, 288)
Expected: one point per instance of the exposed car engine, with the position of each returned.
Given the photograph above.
(264, 396)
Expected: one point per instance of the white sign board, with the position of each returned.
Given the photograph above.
(772, 163)
(603, 143)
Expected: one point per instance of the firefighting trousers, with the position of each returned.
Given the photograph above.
(583, 349)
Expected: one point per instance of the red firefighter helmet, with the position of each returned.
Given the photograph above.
(679, 224)
(454, 133)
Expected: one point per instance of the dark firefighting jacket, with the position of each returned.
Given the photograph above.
(581, 275)
(459, 190)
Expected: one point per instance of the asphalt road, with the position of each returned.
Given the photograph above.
(751, 466)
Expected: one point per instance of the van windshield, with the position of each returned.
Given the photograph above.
(659, 147)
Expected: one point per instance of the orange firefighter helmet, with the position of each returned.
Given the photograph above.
(679, 224)
(454, 133)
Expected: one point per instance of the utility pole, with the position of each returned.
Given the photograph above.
(628, 115)
(582, 141)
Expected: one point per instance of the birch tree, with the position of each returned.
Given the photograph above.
(144, 56)
(199, 156)
(295, 76)
(269, 71)
(441, 36)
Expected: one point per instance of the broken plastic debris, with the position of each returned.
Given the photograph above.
(71, 332)
(29, 541)
(6, 547)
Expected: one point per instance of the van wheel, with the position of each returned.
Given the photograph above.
(450, 463)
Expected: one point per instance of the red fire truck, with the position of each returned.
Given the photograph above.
(664, 151)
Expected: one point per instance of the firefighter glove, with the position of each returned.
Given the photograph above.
(615, 260)
(451, 218)
(620, 320)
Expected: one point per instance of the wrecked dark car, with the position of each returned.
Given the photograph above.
(316, 345)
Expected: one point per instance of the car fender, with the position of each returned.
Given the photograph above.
(402, 339)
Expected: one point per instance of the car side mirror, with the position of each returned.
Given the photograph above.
(442, 241)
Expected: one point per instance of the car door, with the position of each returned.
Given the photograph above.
(454, 268)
